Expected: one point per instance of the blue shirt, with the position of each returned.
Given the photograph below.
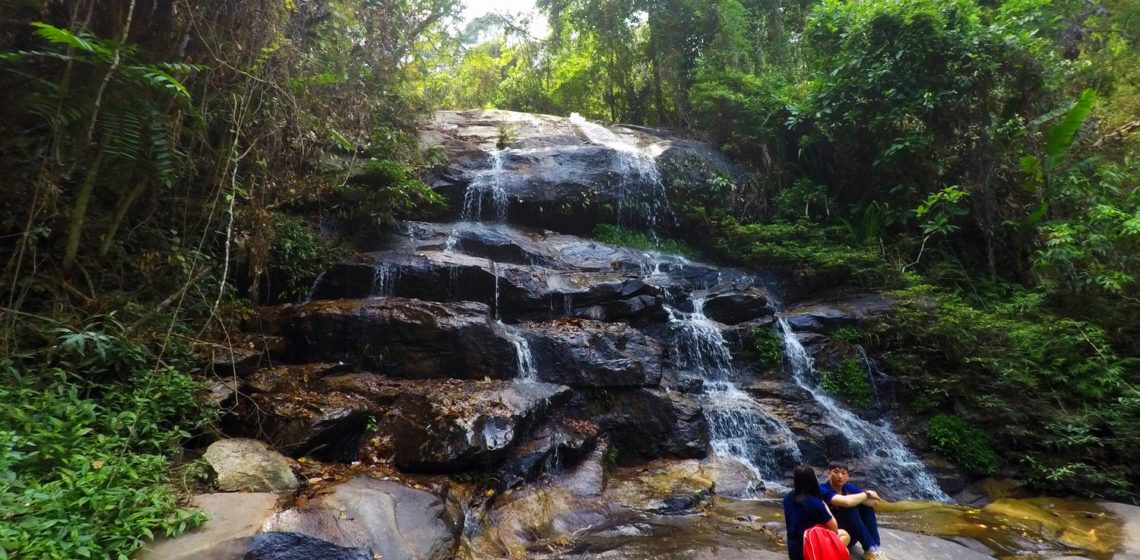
(799, 518)
(828, 493)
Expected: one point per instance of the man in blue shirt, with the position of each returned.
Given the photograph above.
(853, 508)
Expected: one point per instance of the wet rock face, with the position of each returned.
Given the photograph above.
(557, 174)
(646, 424)
(542, 275)
(429, 426)
(405, 338)
(584, 353)
(557, 442)
(737, 306)
(451, 425)
(294, 546)
(825, 317)
(382, 517)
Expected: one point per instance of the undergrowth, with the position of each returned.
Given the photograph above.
(87, 434)
(616, 235)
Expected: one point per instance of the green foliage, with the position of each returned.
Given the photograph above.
(963, 443)
(849, 382)
(815, 253)
(297, 254)
(1048, 389)
(84, 468)
(387, 191)
(850, 335)
(767, 347)
(616, 235)
(1061, 135)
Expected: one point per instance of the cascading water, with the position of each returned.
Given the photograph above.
(641, 191)
(872, 368)
(878, 451)
(383, 279)
(738, 427)
(313, 288)
(487, 183)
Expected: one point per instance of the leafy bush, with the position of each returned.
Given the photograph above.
(296, 256)
(84, 468)
(386, 191)
(814, 253)
(767, 347)
(850, 335)
(616, 235)
(963, 443)
(1049, 390)
(849, 382)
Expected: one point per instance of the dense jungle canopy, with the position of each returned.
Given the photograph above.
(166, 165)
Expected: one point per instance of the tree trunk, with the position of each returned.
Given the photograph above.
(125, 203)
(79, 213)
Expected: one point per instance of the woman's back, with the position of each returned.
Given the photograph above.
(800, 513)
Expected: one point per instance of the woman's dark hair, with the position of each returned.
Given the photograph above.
(805, 483)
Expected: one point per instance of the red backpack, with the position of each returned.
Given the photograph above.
(821, 543)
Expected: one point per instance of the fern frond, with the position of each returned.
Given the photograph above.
(121, 132)
(83, 41)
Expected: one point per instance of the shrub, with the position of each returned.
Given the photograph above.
(296, 256)
(815, 253)
(767, 347)
(616, 235)
(849, 382)
(963, 443)
(84, 469)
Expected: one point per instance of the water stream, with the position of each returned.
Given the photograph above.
(878, 451)
(739, 427)
(487, 184)
(642, 198)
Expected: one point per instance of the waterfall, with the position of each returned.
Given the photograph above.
(738, 426)
(313, 288)
(526, 371)
(641, 191)
(495, 272)
(878, 451)
(872, 368)
(486, 182)
(383, 279)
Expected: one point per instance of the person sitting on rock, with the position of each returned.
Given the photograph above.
(854, 510)
(804, 508)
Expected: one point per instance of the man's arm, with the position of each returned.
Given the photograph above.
(848, 501)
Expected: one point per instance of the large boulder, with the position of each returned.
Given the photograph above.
(451, 425)
(827, 316)
(294, 546)
(233, 521)
(405, 338)
(248, 465)
(445, 425)
(737, 306)
(584, 353)
(393, 521)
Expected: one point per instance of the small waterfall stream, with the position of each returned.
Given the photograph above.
(739, 427)
(487, 182)
(878, 450)
(641, 192)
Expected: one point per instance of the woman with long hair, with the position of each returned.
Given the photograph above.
(804, 508)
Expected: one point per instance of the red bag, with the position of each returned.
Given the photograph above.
(821, 543)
